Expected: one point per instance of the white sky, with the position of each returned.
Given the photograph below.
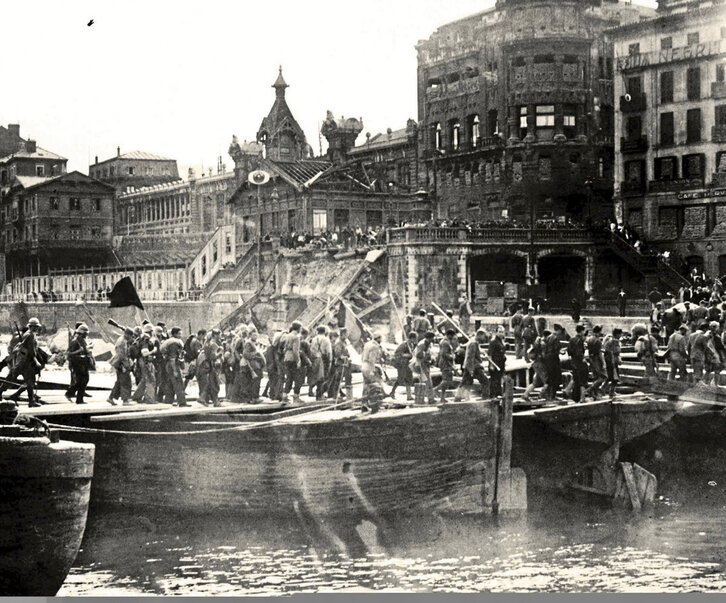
(179, 78)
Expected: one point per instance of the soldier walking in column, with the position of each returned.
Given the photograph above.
(78, 358)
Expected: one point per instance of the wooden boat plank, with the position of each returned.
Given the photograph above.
(175, 411)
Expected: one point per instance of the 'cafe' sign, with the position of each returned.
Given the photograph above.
(670, 55)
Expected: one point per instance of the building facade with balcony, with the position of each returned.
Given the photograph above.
(670, 129)
(61, 221)
(516, 110)
(134, 169)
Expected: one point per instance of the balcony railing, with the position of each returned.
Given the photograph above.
(59, 244)
(634, 145)
(718, 90)
(674, 186)
(637, 103)
(718, 134)
(426, 234)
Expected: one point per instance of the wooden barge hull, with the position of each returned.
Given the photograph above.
(329, 462)
(554, 446)
(43, 507)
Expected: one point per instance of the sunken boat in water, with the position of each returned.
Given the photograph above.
(46, 487)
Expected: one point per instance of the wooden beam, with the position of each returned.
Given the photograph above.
(372, 308)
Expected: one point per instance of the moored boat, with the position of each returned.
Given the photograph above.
(329, 460)
(45, 487)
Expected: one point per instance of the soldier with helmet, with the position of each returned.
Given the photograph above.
(25, 360)
(79, 362)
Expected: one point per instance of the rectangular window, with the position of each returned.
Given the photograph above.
(667, 136)
(693, 125)
(634, 86)
(96, 205)
(666, 168)
(633, 127)
(634, 48)
(54, 203)
(693, 83)
(40, 170)
(522, 122)
(720, 116)
(130, 170)
(693, 166)
(666, 87)
(569, 121)
(74, 204)
(75, 234)
(227, 244)
(666, 43)
(693, 38)
(95, 233)
(545, 116)
(720, 73)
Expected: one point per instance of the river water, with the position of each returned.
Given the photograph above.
(559, 548)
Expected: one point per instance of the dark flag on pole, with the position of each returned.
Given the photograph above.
(124, 294)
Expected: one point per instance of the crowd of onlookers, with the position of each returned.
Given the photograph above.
(346, 238)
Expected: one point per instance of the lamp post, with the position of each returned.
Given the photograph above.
(259, 178)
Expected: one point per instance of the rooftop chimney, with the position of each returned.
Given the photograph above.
(14, 129)
(30, 146)
(118, 151)
(96, 158)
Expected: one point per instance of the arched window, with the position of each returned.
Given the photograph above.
(437, 135)
(455, 135)
(475, 130)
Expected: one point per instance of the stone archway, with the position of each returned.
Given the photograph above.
(505, 266)
(565, 275)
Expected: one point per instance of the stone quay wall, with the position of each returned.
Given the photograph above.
(57, 315)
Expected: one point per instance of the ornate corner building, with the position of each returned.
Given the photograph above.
(516, 116)
(670, 169)
(516, 110)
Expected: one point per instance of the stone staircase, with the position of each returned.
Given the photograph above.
(228, 279)
(655, 270)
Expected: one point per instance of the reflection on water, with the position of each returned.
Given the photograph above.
(670, 550)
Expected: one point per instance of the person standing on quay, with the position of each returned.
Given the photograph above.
(291, 349)
(447, 363)
(498, 358)
(24, 360)
(173, 351)
(597, 362)
(209, 362)
(611, 350)
(123, 365)
(552, 347)
(341, 369)
(79, 361)
(516, 325)
(622, 302)
(422, 354)
(473, 368)
(465, 313)
(677, 352)
(402, 363)
(576, 351)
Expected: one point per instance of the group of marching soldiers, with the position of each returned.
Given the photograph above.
(163, 364)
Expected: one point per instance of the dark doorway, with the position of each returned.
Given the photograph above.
(341, 219)
(563, 277)
(501, 267)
